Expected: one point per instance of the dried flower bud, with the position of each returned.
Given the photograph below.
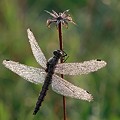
(62, 18)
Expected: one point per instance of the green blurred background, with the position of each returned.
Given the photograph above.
(96, 35)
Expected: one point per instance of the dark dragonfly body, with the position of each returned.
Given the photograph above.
(50, 71)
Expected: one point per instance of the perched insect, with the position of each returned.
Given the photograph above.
(47, 76)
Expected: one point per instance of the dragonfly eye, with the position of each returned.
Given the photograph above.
(57, 52)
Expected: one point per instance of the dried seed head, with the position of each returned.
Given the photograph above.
(62, 18)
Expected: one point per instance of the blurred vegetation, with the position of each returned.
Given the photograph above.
(97, 35)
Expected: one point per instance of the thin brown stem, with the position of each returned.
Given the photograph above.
(61, 48)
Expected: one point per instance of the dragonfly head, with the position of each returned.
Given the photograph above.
(58, 53)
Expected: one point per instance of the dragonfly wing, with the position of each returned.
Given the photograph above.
(79, 68)
(37, 52)
(65, 88)
(31, 74)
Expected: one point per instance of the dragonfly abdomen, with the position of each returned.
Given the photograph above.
(50, 70)
(43, 92)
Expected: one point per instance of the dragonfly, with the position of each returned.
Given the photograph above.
(46, 75)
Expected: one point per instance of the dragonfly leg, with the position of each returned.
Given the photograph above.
(65, 56)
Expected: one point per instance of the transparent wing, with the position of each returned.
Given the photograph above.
(37, 52)
(65, 88)
(31, 74)
(79, 68)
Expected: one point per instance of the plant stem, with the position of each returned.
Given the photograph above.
(61, 48)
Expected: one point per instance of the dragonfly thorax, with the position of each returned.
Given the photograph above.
(53, 61)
